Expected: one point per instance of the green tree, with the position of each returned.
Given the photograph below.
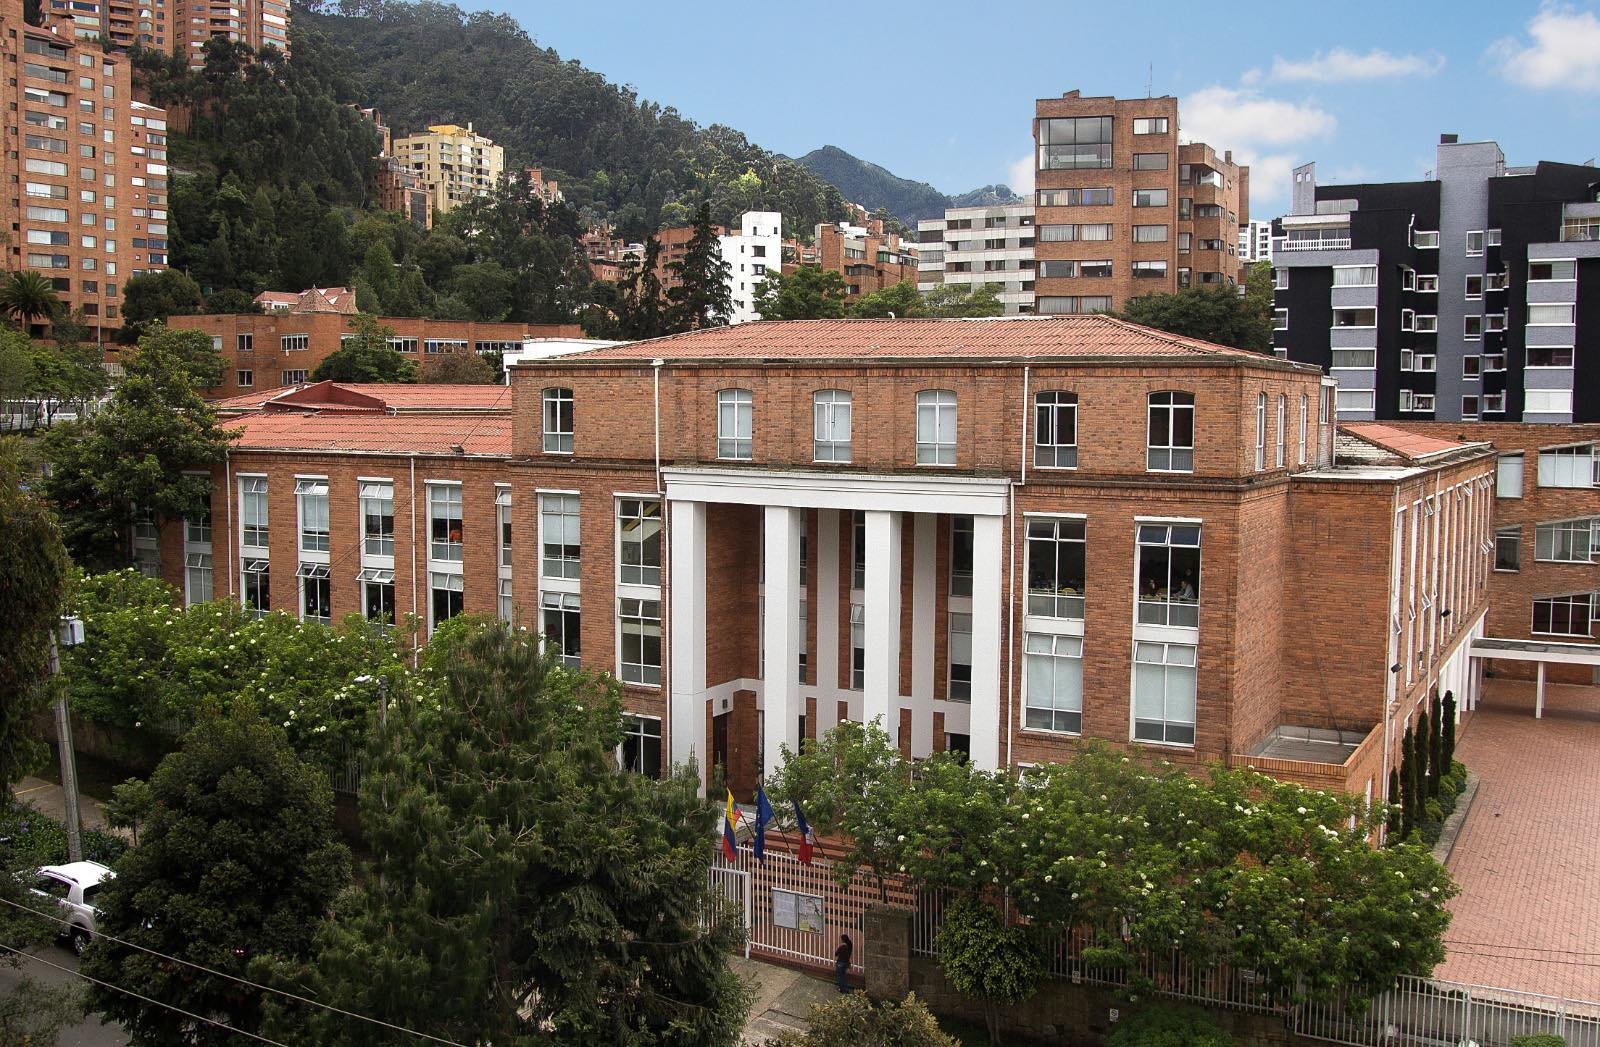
(1409, 805)
(148, 297)
(1218, 315)
(642, 311)
(701, 297)
(32, 1013)
(989, 959)
(1426, 772)
(487, 289)
(366, 356)
(808, 293)
(457, 369)
(27, 297)
(231, 301)
(130, 806)
(962, 300)
(522, 890)
(33, 581)
(853, 1020)
(152, 446)
(1164, 1025)
(1447, 757)
(239, 864)
(1396, 799)
(898, 300)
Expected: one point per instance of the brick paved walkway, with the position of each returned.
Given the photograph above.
(1528, 858)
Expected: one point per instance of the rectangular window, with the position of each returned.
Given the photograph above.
(1508, 476)
(641, 745)
(445, 599)
(1472, 328)
(1474, 288)
(558, 421)
(1550, 313)
(735, 423)
(444, 522)
(1367, 317)
(297, 377)
(1560, 269)
(858, 647)
(1097, 197)
(561, 621)
(1565, 541)
(313, 496)
(1055, 431)
(936, 427)
(960, 555)
(1056, 234)
(1576, 466)
(402, 344)
(1426, 324)
(377, 595)
(1353, 358)
(1563, 615)
(257, 592)
(1355, 276)
(831, 425)
(1069, 143)
(1056, 568)
(506, 606)
(640, 629)
(197, 579)
(1508, 549)
(1170, 437)
(1150, 198)
(1164, 692)
(960, 657)
(295, 342)
(1054, 688)
(1474, 243)
(245, 379)
(316, 604)
(1280, 319)
(1096, 231)
(1149, 234)
(1096, 268)
(1169, 574)
(639, 528)
(253, 511)
(1149, 161)
(245, 343)
(1305, 421)
(559, 541)
(1057, 268)
(1547, 401)
(502, 513)
(1150, 125)
(1283, 428)
(1424, 238)
(1548, 356)
(1150, 270)
(377, 519)
(1261, 432)
(440, 346)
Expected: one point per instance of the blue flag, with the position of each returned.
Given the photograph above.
(763, 816)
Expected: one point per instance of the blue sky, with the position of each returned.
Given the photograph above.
(943, 91)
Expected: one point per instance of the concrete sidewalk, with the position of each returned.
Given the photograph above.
(50, 799)
(783, 1001)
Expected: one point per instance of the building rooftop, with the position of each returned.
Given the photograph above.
(436, 434)
(1413, 447)
(311, 300)
(345, 398)
(1003, 338)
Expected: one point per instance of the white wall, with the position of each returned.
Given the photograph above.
(752, 254)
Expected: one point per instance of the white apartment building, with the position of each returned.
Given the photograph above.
(1255, 242)
(980, 245)
(751, 253)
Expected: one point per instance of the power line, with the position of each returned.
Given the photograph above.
(1521, 948)
(1524, 959)
(241, 981)
(146, 999)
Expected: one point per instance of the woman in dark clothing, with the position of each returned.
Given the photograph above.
(841, 962)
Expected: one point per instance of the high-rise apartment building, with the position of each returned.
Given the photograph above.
(1465, 296)
(1125, 208)
(180, 26)
(869, 257)
(751, 253)
(977, 246)
(1255, 241)
(455, 163)
(87, 166)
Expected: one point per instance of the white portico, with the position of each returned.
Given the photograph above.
(897, 510)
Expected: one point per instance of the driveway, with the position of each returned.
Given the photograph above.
(43, 966)
(1528, 857)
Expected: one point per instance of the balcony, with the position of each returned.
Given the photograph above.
(1326, 242)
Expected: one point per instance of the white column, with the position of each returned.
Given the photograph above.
(823, 596)
(880, 697)
(1538, 695)
(988, 720)
(686, 628)
(780, 686)
(924, 581)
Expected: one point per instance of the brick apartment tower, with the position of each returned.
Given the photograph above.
(87, 167)
(1124, 209)
(182, 28)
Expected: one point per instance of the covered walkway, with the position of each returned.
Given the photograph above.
(1541, 652)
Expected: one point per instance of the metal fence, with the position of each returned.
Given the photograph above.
(1420, 1011)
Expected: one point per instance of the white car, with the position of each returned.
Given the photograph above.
(74, 887)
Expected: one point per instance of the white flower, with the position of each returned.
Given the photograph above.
(1300, 810)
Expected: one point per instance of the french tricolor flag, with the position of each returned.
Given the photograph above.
(808, 842)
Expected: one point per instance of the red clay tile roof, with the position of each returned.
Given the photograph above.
(989, 338)
(1398, 441)
(409, 434)
(396, 397)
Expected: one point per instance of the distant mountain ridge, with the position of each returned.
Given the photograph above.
(875, 187)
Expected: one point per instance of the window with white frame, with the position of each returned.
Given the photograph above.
(316, 604)
(1280, 319)
(559, 537)
(557, 421)
(1169, 574)
(1305, 422)
(1508, 549)
(1574, 466)
(1550, 313)
(1425, 238)
(641, 745)
(561, 621)
(1508, 476)
(197, 529)
(377, 594)
(936, 427)
(502, 512)
(1261, 431)
(1547, 401)
(377, 518)
(1474, 285)
(858, 549)
(1565, 541)
(257, 592)
(960, 555)
(293, 343)
(735, 424)
(960, 648)
(640, 630)
(1474, 242)
(1164, 692)
(313, 497)
(1364, 316)
(444, 522)
(197, 580)
(1408, 319)
(831, 425)
(1358, 359)
(1568, 615)
(1054, 683)
(505, 601)
(253, 511)
(858, 647)
(445, 598)
(1355, 276)
(639, 535)
(1354, 400)
(292, 377)
(1472, 328)
(1283, 429)
(1057, 567)
(1552, 269)
(1170, 437)
(1426, 324)
(1055, 431)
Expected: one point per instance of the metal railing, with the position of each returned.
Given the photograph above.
(1324, 243)
(1422, 1011)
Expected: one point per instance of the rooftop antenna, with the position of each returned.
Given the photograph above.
(1149, 81)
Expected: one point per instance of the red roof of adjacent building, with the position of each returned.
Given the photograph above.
(439, 434)
(1009, 337)
(1413, 446)
(311, 300)
(357, 396)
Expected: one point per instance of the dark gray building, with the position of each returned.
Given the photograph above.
(1472, 295)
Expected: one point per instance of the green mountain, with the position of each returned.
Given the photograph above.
(875, 187)
(644, 164)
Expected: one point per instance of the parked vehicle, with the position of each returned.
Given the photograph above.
(74, 887)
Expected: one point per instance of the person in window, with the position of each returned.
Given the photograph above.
(1186, 592)
(841, 962)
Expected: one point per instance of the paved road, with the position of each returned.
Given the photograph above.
(88, 1033)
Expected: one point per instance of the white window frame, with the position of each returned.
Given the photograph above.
(831, 411)
(374, 495)
(1261, 432)
(1062, 657)
(936, 427)
(251, 488)
(1169, 724)
(631, 616)
(639, 574)
(1049, 451)
(1178, 458)
(561, 509)
(1569, 599)
(1571, 466)
(445, 494)
(557, 411)
(735, 425)
(1059, 602)
(307, 490)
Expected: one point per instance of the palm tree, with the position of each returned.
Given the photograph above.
(26, 296)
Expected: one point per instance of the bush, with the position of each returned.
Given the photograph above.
(1538, 1039)
(988, 959)
(855, 1021)
(1166, 1026)
(37, 839)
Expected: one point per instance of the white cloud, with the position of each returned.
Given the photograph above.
(1258, 130)
(1562, 52)
(1339, 65)
(1019, 176)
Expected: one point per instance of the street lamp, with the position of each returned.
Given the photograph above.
(69, 634)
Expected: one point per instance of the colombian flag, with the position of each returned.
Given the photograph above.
(730, 821)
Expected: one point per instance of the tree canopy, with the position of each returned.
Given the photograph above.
(366, 356)
(1221, 315)
(700, 298)
(808, 293)
(155, 296)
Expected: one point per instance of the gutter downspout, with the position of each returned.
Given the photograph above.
(415, 644)
(227, 487)
(1011, 571)
(655, 369)
(1397, 560)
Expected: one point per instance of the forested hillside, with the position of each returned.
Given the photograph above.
(875, 187)
(642, 163)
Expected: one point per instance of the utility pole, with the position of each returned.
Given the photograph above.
(69, 635)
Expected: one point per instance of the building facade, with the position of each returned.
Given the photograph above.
(1462, 297)
(87, 166)
(1255, 241)
(868, 257)
(454, 163)
(264, 352)
(978, 246)
(182, 27)
(999, 535)
(1125, 207)
(752, 253)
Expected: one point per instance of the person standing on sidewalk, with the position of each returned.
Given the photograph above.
(841, 962)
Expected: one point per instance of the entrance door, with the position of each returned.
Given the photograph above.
(719, 744)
